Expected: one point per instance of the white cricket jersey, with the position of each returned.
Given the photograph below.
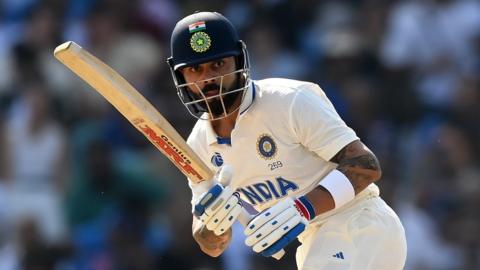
(281, 145)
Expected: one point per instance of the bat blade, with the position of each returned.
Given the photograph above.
(133, 106)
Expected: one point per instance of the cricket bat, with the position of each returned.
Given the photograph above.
(139, 112)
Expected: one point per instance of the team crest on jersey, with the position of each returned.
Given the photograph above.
(266, 146)
(217, 160)
(200, 42)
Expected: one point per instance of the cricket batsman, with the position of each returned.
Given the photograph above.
(280, 146)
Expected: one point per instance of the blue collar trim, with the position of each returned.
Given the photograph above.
(221, 140)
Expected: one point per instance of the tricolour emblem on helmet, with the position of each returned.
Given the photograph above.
(266, 146)
(198, 26)
(200, 42)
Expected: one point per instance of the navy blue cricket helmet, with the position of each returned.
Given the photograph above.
(203, 37)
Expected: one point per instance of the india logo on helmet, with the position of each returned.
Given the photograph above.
(200, 42)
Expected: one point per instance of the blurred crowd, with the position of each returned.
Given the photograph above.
(82, 189)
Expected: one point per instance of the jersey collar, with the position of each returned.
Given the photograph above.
(246, 104)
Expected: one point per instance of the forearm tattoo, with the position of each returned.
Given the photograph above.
(359, 165)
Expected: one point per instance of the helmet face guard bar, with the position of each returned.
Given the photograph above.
(198, 104)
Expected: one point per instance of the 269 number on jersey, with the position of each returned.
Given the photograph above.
(275, 165)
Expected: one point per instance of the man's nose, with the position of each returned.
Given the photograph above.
(209, 77)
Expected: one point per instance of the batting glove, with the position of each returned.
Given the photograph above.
(276, 227)
(220, 206)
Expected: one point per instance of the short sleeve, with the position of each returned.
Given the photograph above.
(316, 123)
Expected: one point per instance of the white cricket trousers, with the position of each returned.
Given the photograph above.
(366, 236)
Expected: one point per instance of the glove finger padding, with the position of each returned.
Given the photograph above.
(284, 240)
(228, 221)
(219, 207)
(265, 230)
(276, 227)
(220, 211)
(266, 216)
(209, 199)
(276, 234)
(216, 204)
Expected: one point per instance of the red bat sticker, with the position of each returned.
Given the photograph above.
(174, 153)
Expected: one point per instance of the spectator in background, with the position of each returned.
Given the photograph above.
(110, 206)
(34, 163)
(9, 256)
(37, 151)
(464, 109)
(272, 57)
(435, 38)
(440, 217)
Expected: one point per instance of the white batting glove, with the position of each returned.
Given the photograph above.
(220, 206)
(274, 228)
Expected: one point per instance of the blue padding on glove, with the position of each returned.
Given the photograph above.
(284, 240)
(207, 199)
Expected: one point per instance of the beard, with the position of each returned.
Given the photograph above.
(215, 104)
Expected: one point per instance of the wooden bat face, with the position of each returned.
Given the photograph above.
(131, 104)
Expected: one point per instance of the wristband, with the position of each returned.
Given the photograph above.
(339, 186)
(305, 207)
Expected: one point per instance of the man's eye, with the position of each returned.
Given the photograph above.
(219, 63)
(193, 69)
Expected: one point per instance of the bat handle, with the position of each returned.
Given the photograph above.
(244, 218)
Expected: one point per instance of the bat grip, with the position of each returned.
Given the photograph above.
(244, 218)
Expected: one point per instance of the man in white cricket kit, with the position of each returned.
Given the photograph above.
(288, 153)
